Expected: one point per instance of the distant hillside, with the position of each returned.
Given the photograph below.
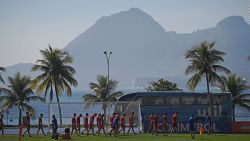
(143, 49)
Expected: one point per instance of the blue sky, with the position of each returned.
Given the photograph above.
(26, 26)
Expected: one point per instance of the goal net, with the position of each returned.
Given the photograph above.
(106, 108)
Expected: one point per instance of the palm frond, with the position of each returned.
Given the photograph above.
(90, 98)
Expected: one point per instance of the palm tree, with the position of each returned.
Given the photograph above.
(204, 60)
(56, 75)
(18, 94)
(1, 69)
(236, 85)
(103, 91)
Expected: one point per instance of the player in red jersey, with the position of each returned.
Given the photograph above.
(27, 124)
(78, 124)
(86, 123)
(155, 124)
(174, 123)
(73, 124)
(91, 123)
(131, 122)
(165, 123)
(40, 124)
(1, 125)
(151, 122)
(111, 122)
(98, 123)
(102, 124)
(123, 124)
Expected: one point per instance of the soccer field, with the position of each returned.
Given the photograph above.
(141, 137)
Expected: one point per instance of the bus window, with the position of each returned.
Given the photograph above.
(203, 99)
(187, 100)
(220, 99)
(173, 100)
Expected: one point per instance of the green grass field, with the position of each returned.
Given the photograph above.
(141, 137)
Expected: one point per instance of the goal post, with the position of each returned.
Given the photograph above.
(106, 108)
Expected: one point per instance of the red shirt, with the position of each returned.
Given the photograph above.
(98, 121)
(92, 118)
(27, 121)
(40, 122)
(86, 120)
(102, 121)
(122, 120)
(174, 118)
(78, 122)
(73, 122)
(111, 118)
(131, 120)
(155, 121)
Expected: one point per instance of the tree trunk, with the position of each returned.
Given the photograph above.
(210, 96)
(20, 125)
(233, 113)
(59, 106)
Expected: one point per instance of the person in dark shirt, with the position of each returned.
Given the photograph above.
(208, 120)
(54, 125)
(40, 124)
(191, 122)
(1, 125)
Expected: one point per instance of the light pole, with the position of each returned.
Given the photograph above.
(107, 55)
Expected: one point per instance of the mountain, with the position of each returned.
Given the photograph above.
(143, 49)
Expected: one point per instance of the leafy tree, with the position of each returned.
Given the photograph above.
(18, 94)
(205, 59)
(1, 78)
(236, 85)
(56, 75)
(103, 91)
(163, 85)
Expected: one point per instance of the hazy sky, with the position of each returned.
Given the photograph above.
(26, 26)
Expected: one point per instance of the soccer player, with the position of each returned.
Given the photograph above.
(54, 125)
(115, 125)
(165, 123)
(73, 124)
(111, 119)
(131, 122)
(1, 125)
(40, 124)
(86, 123)
(78, 123)
(208, 120)
(191, 126)
(27, 124)
(174, 123)
(123, 125)
(155, 124)
(151, 122)
(102, 124)
(98, 123)
(91, 123)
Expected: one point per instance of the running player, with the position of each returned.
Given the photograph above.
(123, 125)
(151, 122)
(1, 125)
(86, 124)
(174, 123)
(91, 123)
(131, 122)
(78, 124)
(111, 119)
(155, 124)
(73, 121)
(27, 124)
(165, 123)
(40, 124)
(115, 125)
